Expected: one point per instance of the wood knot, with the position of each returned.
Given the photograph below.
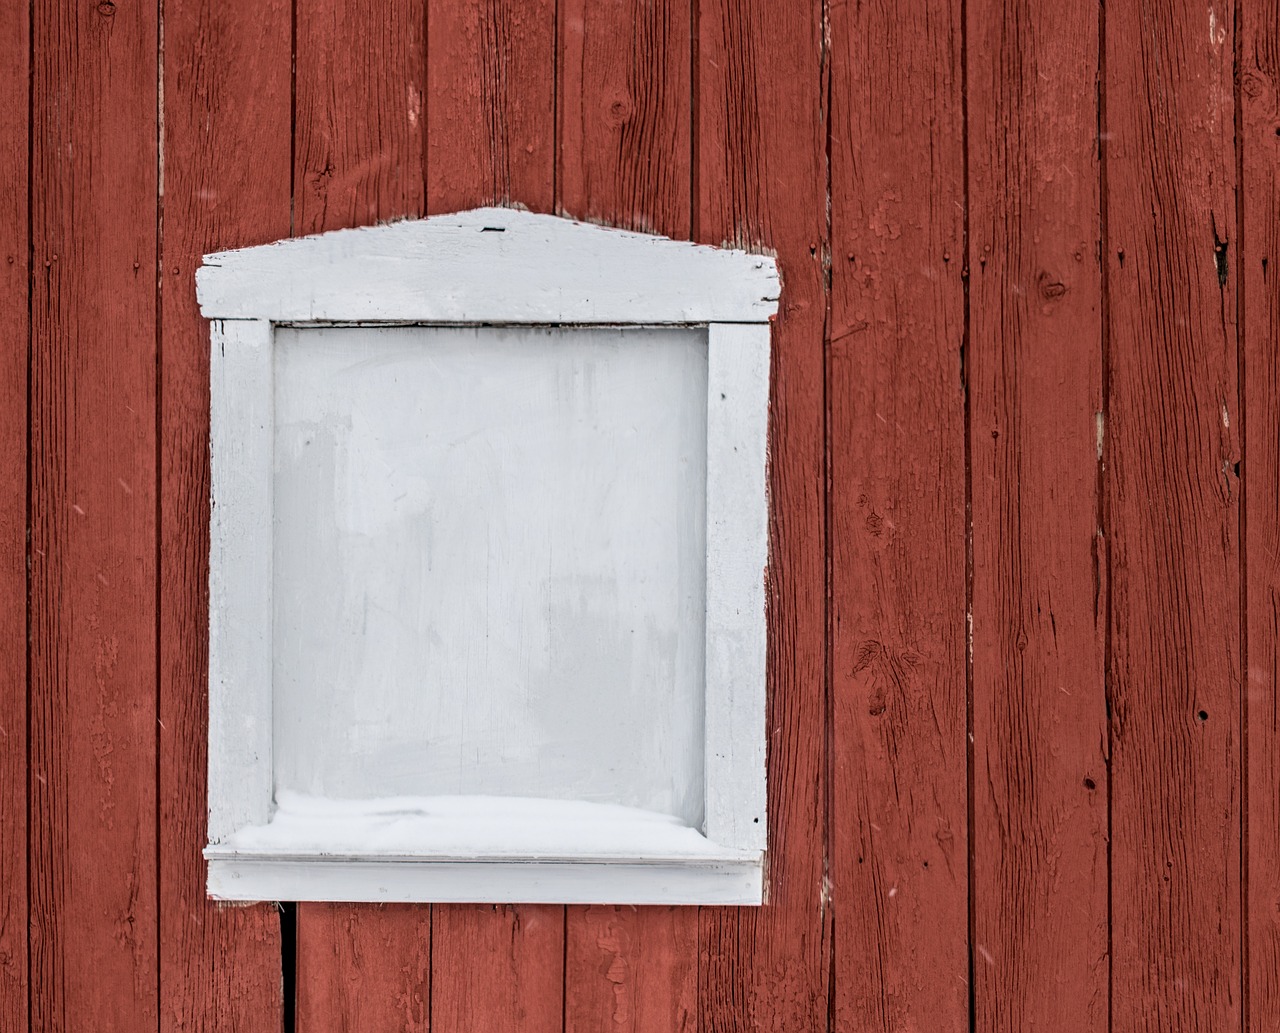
(620, 111)
(107, 9)
(868, 651)
(877, 703)
(1050, 289)
(1253, 85)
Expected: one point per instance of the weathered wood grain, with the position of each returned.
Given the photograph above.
(1171, 516)
(898, 803)
(358, 143)
(625, 106)
(368, 968)
(15, 45)
(227, 119)
(490, 121)
(1034, 372)
(1259, 263)
(625, 111)
(358, 138)
(497, 968)
(631, 969)
(93, 935)
(761, 175)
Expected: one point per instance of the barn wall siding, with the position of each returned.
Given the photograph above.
(896, 372)
(1257, 155)
(226, 118)
(624, 156)
(15, 50)
(1024, 474)
(1035, 383)
(1171, 508)
(92, 896)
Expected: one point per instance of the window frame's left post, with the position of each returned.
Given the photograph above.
(242, 433)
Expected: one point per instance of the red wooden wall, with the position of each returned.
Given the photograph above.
(1025, 592)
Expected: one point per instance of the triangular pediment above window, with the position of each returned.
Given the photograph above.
(489, 265)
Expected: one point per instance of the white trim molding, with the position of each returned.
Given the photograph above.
(484, 267)
(468, 880)
(489, 265)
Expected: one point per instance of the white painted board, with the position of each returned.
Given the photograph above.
(737, 556)
(460, 827)
(240, 577)
(518, 882)
(489, 564)
(489, 265)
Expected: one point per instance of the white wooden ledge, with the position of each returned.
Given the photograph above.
(472, 880)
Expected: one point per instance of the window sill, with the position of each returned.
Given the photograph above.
(478, 849)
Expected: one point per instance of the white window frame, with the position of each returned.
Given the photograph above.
(487, 266)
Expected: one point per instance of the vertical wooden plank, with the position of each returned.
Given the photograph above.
(93, 517)
(761, 175)
(1259, 261)
(631, 969)
(377, 959)
(625, 106)
(491, 83)
(1034, 367)
(1172, 511)
(359, 120)
(358, 136)
(227, 120)
(491, 140)
(898, 592)
(15, 333)
(497, 968)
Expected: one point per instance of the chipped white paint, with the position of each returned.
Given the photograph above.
(1217, 31)
(518, 562)
(490, 265)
